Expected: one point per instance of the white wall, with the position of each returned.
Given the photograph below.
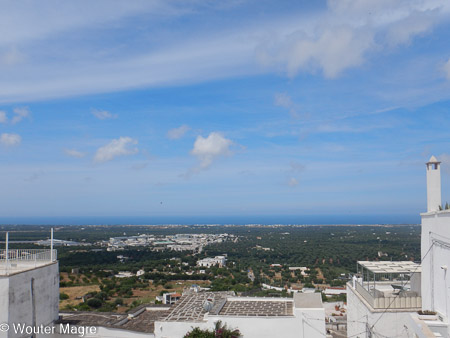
(391, 324)
(435, 280)
(16, 290)
(307, 323)
(4, 300)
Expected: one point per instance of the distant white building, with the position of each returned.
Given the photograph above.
(209, 262)
(169, 298)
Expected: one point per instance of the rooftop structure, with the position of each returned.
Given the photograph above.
(388, 267)
(393, 285)
(301, 316)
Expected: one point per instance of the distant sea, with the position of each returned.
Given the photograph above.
(238, 220)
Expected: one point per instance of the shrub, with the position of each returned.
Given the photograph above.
(94, 303)
(63, 296)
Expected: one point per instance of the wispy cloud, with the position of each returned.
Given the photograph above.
(20, 113)
(34, 176)
(177, 133)
(285, 101)
(297, 167)
(118, 147)
(3, 117)
(74, 153)
(446, 69)
(103, 114)
(12, 57)
(9, 140)
(328, 42)
(293, 182)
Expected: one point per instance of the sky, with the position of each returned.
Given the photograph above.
(236, 111)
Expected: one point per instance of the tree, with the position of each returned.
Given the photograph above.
(220, 331)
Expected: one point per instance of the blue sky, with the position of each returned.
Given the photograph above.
(246, 109)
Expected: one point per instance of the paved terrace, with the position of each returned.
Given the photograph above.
(19, 260)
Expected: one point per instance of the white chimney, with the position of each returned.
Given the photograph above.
(433, 184)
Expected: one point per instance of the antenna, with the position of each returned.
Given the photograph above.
(51, 246)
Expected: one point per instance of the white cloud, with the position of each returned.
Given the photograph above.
(19, 114)
(285, 101)
(117, 147)
(177, 133)
(10, 140)
(209, 148)
(74, 153)
(328, 41)
(3, 117)
(447, 69)
(104, 114)
(332, 51)
(293, 182)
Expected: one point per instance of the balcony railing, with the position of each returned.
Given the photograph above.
(378, 300)
(27, 255)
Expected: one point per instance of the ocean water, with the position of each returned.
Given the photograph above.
(217, 219)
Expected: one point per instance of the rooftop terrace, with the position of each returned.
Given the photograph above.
(13, 261)
(389, 285)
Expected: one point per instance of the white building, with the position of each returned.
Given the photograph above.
(421, 306)
(302, 316)
(169, 298)
(209, 262)
(435, 250)
(29, 288)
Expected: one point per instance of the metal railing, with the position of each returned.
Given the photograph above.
(28, 255)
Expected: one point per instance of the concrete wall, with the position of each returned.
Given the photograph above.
(436, 250)
(16, 289)
(307, 323)
(391, 324)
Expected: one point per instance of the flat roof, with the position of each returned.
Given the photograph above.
(388, 267)
(142, 318)
(190, 306)
(21, 266)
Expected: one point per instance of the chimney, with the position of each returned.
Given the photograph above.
(433, 184)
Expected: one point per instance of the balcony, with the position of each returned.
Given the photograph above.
(389, 285)
(18, 260)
